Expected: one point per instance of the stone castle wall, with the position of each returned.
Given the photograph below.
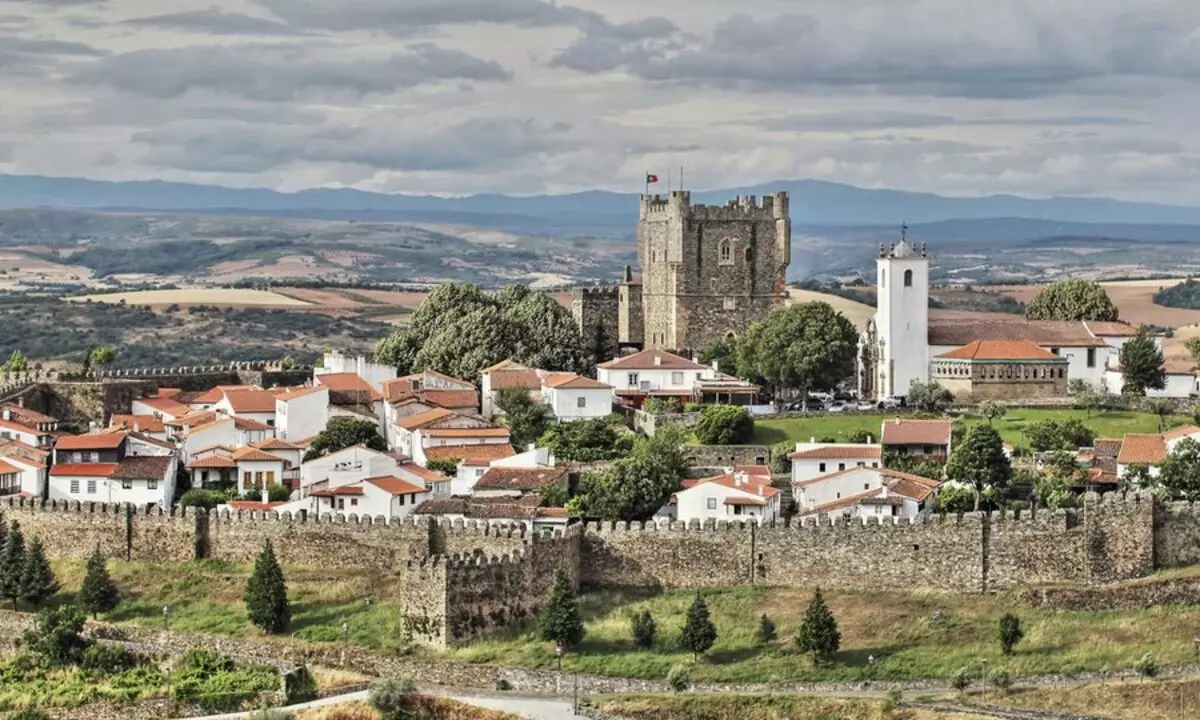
(597, 313)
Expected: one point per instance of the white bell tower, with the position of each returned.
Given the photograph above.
(902, 318)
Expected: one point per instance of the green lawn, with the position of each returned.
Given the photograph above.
(911, 636)
(1111, 423)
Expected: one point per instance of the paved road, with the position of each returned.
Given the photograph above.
(534, 708)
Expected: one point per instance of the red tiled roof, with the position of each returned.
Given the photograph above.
(652, 360)
(1110, 329)
(22, 460)
(421, 419)
(93, 441)
(1142, 450)
(573, 381)
(142, 468)
(395, 486)
(168, 392)
(84, 469)
(144, 423)
(1046, 333)
(514, 379)
(429, 476)
(348, 383)
(759, 470)
(251, 505)
(275, 444)
(248, 424)
(1000, 350)
(479, 455)
(453, 399)
(249, 454)
(212, 462)
(300, 392)
(753, 484)
(165, 405)
(25, 416)
(849, 452)
(250, 401)
(342, 490)
(18, 427)
(916, 432)
(508, 364)
(214, 395)
(7, 469)
(479, 432)
(1181, 432)
(522, 479)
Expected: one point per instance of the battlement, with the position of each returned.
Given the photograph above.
(744, 207)
(599, 292)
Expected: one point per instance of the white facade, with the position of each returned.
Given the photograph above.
(221, 432)
(902, 320)
(682, 382)
(302, 414)
(1178, 385)
(104, 489)
(737, 498)
(347, 466)
(374, 374)
(15, 431)
(808, 494)
(569, 403)
(254, 475)
(864, 492)
(33, 474)
(812, 460)
(424, 438)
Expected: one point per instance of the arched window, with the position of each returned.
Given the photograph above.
(908, 278)
(726, 251)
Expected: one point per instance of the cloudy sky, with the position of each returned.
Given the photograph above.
(1036, 97)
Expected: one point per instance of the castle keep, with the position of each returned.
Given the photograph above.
(708, 273)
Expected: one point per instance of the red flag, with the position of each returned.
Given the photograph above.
(651, 178)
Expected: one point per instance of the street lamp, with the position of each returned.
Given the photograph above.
(166, 617)
(558, 653)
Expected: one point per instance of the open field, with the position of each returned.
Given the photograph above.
(755, 707)
(222, 297)
(911, 636)
(1105, 424)
(856, 312)
(1134, 700)
(1133, 298)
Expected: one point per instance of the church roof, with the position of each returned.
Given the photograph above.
(1046, 333)
(903, 250)
(999, 350)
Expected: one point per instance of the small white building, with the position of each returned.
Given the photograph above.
(163, 408)
(302, 413)
(19, 475)
(389, 496)
(256, 405)
(862, 492)
(653, 372)
(474, 461)
(735, 496)
(338, 363)
(107, 467)
(350, 465)
(813, 459)
(220, 431)
(1151, 449)
(10, 430)
(440, 427)
(1181, 380)
(574, 397)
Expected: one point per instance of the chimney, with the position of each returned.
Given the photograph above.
(760, 490)
(7, 414)
(870, 440)
(657, 360)
(715, 366)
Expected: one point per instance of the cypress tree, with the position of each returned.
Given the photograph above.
(560, 621)
(266, 593)
(12, 562)
(38, 583)
(643, 628)
(98, 593)
(819, 633)
(699, 633)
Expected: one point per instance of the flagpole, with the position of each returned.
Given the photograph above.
(681, 186)
(668, 182)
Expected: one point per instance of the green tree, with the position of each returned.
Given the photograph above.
(636, 486)
(526, 418)
(342, 432)
(662, 406)
(266, 593)
(979, 461)
(560, 622)
(445, 466)
(581, 441)
(101, 356)
(445, 305)
(642, 627)
(862, 437)
(766, 630)
(955, 498)
(1179, 473)
(394, 699)
(1193, 348)
(992, 410)
(553, 495)
(780, 456)
(1086, 397)
(38, 583)
(549, 336)
(819, 634)
(12, 563)
(929, 397)
(466, 347)
(804, 347)
(17, 363)
(1010, 633)
(1050, 435)
(724, 425)
(57, 638)
(1136, 477)
(99, 593)
(1072, 300)
(699, 634)
(1052, 490)
(725, 354)
(1142, 364)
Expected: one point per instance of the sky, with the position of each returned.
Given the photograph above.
(958, 97)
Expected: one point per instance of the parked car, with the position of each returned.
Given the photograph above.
(893, 402)
(865, 406)
(836, 407)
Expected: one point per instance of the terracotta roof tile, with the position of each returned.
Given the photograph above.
(165, 405)
(916, 432)
(249, 454)
(93, 441)
(248, 424)
(1181, 432)
(142, 468)
(145, 423)
(83, 469)
(7, 469)
(251, 401)
(209, 397)
(753, 485)
(1110, 329)
(25, 416)
(348, 383)
(512, 379)
(653, 360)
(452, 399)
(522, 479)
(477, 508)
(421, 419)
(425, 474)
(18, 427)
(574, 381)
(1046, 333)
(849, 452)
(1000, 350)
(395, 486)
(253, 506)
(478, 455)
(479, 432)
(1142, 450)
(275, 444)
(212, 462)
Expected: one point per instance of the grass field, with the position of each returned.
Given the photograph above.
(911, 636)
(755, 707)
(199, 296)
(1112, 424)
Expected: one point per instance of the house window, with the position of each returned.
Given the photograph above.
(908, 278)
(479, 472)
(712, 503)
(821, 467)
(1054, 350)
(727, 251)
(580, 402)
(126, 484)
(91, 487)
(862, 464)
(841, 467)
(928, 449)
(341, 503)
(74, 487)
(676, 378)
(258, 478)
(93, 457)
(712, 284)
(402, 500)
(353, 502)
(271, 477)
(874, 464)
(632, 380)
(271, 423)
(1091, 357)
(151, 484)
(730, 303)
(866, 486)
(246, 477)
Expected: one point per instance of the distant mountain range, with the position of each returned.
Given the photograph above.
(813, 203)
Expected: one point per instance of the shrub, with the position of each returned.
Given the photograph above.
(98, 593)
(894, 697)
(299, 686)
(724, 425)
(207, 499)
(643, 627)
(392, 698)
(1001, 680)
(503, 685)
(1147, 666)
(961, 679)
(1010, 633)
(102, 659)
(699, 634)
(57, 639)
(679, 677)
(766, 630)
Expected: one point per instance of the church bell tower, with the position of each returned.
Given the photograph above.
(902, 318)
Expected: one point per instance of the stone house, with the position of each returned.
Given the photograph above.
(516, 482)
(1000, 370)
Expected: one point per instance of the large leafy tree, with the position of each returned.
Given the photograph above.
(549, 336)
(446, 304)
(581, 440)
(1072, 300)
(635, 487)
(818, 634)
(803, 347)
(979, 461)
(526, 418)
(266, 593)
(1142, 364)
(1047, 435)
(560, 622)
(724, 425)
(465, 347)
(929, 397)
(724, 353)
(342, 432)
(1179, 473)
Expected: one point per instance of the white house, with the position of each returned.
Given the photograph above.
(221, 430)
(813, 459)
(103, 467)
(302, 413)
(358, 463)
(652, 372)
(21, 475)
(574, 397)
(440, 427)
(338, 363)
(1151, 449)
(349, 391)
(209, 398)
(389, 496)
(145, 424)
(1181, 379)
(474, 461)
(863, 491)
(27, 426)
(10, 430)
(507, 375)
(734, 496)
(257, 405)
(163, 408)
(289, 452)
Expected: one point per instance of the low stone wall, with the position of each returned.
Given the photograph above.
(1131, 596)
(650, 423)
(719, 456)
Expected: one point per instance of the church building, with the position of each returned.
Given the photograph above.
(1003, 359)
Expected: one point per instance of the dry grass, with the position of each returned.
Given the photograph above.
(856, 312)
(220, 297)
(437, 709)
(328, 678)
(1134, 700)
(756, 707)
(1133, 298)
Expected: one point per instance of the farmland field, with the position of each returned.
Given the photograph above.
(225, 297)
(1133, 298)
(856, 312)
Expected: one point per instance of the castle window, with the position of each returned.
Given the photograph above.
(727, 251)
(653, 256)
(749, 255)
(908, 278)
(731, 303)
(712, 283)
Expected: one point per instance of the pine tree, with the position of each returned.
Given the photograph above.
(766, 630)
(699, 633)
(819, 633)
(266, 593)
(560, 621)
(38, 583)
(12, 562)
(1010, 633)
(98, 593)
